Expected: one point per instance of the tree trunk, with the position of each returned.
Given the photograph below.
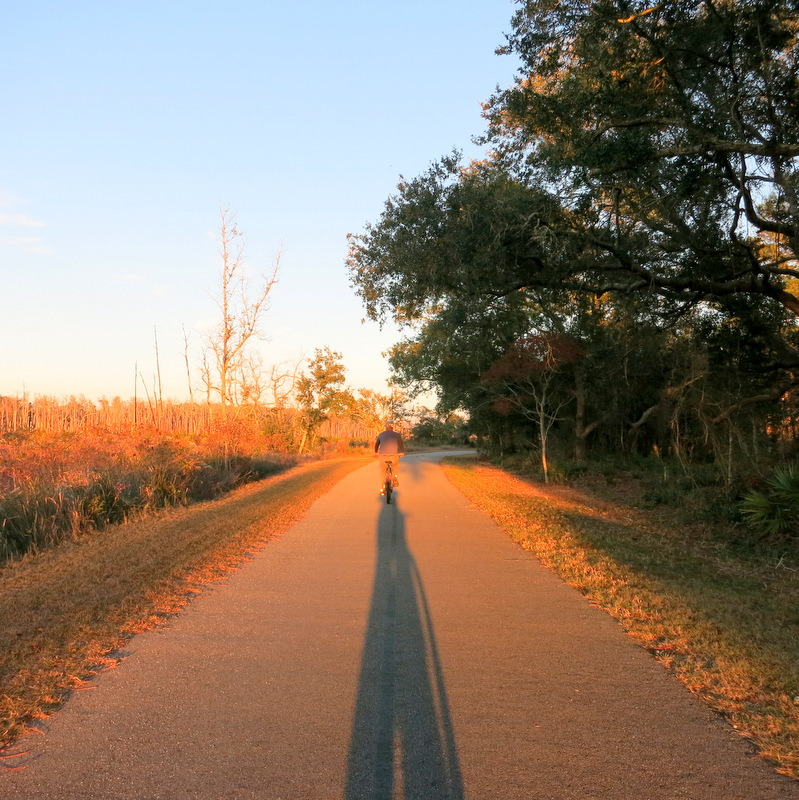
(580, 432)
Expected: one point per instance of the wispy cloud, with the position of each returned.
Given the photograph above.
(28, 244)
(20, 221)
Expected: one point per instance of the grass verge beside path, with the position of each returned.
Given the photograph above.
(725, 623)
(64, 612)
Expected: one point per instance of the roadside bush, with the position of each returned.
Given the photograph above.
(567, 471)
(56, 488)
(774, 513)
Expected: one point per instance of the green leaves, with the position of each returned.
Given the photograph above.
(321, 391)
(641, 197)
(775, 513)
(675, 119)
(454, 232)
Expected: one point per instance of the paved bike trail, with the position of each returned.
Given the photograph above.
(376, 652)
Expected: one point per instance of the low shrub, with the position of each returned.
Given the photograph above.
(62, 487)
(774, 512)
(567, 471)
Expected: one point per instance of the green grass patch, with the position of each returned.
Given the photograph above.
(64, 612)
(725, 622)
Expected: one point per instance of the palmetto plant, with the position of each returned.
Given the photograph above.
(775, 512)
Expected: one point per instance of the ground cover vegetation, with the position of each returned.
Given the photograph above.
(618, 277)
(72, 466)
(66, 612)
(63, 486)
(722, 617)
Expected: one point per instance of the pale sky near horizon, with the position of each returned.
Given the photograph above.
(127, 126)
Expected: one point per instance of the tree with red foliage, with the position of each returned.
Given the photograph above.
(527, 379)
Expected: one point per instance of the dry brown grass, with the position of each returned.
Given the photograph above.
(725, 623)
(64, 612)
(59, 486)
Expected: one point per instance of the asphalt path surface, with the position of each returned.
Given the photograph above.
(388, 651)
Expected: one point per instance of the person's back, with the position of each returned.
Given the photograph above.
(389, 442)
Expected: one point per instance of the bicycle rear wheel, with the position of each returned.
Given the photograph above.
(389, 485)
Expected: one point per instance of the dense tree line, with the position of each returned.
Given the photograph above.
(620, 273)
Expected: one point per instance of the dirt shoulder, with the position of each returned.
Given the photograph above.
(65, 612)
(725, 622)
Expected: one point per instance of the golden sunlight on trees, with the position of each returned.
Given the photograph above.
(373, 409)
(321, 392)
(640, 197)
(229, 371)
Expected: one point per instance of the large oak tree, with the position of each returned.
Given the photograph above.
(675, 128)
(646, 160)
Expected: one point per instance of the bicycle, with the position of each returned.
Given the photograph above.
(388, 486)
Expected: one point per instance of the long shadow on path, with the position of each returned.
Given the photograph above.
(403, 743)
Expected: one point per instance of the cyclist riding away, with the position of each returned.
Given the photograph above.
(389, 447)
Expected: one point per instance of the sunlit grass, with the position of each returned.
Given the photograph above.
(59, 486)
(726, 624)
(66, 611)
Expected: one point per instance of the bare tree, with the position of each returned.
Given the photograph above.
(186, 359)
(159, 402)
(283, 382)
(242, 309)
(283, 422)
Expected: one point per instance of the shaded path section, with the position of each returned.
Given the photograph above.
(403, 739)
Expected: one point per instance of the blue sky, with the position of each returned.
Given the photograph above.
(127, 126)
